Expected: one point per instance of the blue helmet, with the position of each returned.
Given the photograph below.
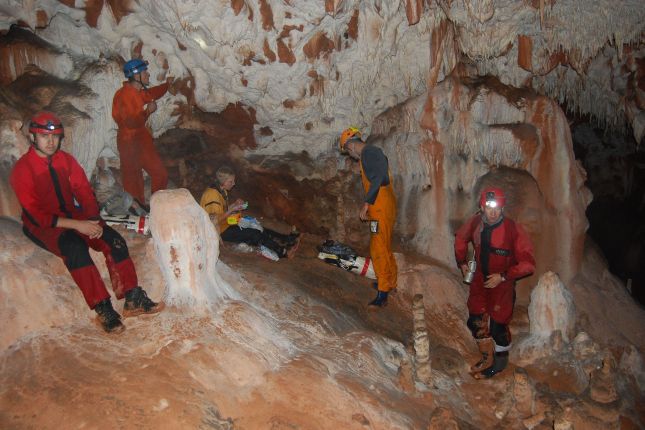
(134, 67)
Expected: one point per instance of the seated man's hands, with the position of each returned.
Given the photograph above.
(90, 228)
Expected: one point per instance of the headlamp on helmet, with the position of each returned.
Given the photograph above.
(46, 123)
(134, 67)
(492, 198)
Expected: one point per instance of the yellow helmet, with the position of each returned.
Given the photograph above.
(347, 134)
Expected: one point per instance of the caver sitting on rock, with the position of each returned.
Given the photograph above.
(61, 215)
(215, 202)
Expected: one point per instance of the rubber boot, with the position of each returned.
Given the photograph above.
(137, 302)
(499, 363)
(380, 301)
(487, 348)
(108, 318)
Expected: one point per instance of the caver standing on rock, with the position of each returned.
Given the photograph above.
(61, 215)
(379, 208)
(133, 103)
(214, 200)
(503, 254)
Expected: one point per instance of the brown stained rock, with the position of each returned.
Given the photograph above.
(525, 52)
(237, 6)
(136, 50)
(413, 10)
(319, 45)
(93, 9)
(265, 131)
(288, 103)
(268, 52)
(245, 82)
(267, 15)
(120, 8)
(287, 29)
(352, 27)
(332, 6)
(248, 58)
(443, 419)
(285, 54)
(42, 20)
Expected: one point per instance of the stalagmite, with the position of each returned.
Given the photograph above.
(552, 320)
(523, 393)
(421, 341)
(187, 248)
(603, 387)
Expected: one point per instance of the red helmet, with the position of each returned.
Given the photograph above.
(46, 123)
(492, 197)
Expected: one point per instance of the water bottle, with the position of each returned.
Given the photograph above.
(267, 253)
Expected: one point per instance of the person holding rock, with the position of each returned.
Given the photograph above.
(61, 215)
(503, 254)
(379, 208)
(133, 103)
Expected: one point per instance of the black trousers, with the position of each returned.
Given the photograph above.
(268, 238)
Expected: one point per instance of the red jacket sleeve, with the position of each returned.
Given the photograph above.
(155, 93)
(523, 250)
(463, 236)
(22, 182)
(82, 189)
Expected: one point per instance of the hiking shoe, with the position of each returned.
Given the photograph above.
(137, 302)
(380, 301)
(108, 318)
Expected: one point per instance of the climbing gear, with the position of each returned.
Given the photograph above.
(46, 123)
(486, 348)
(380, 301)
(137, 302)
(134, 67)
(500, 362)
(108, 318)
(346, 258)
(348, 134)
(492, 197)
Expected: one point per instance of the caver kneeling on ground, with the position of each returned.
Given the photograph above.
(215, 202)
(61, 215)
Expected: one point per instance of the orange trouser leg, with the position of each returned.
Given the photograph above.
(151, 163)
(381, 254)
(131, 173)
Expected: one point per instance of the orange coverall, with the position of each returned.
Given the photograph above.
(384, 211)
(134, 139)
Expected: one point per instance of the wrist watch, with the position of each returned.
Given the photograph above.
(503, 275)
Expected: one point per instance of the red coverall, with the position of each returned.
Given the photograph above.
(49, 188)
(134, 140)
(510, 253)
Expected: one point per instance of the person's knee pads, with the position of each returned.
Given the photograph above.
(500, 333)
(476, 325)
(118, 247)
(74, 250)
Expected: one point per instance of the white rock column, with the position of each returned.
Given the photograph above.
(187, 249)
(551, 316)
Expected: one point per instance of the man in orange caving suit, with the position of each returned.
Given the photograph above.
(379, 208)
(133, 103)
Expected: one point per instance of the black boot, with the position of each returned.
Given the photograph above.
(380, 300)
(108, 318)
(499, 363)
(137, 302)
